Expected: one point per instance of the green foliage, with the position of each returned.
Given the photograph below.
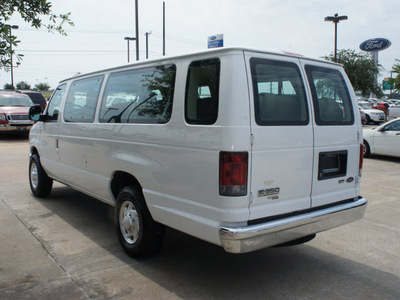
(8, 86)
(42, 86)
(360, 69)
(396, 79)
(23, 86)
(31, 11)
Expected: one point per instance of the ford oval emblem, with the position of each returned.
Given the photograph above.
(373, 45)
(213, 38)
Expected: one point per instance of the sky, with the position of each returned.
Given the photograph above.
(97, 40)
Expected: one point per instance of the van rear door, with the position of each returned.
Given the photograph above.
(337, 131)
(282, 131)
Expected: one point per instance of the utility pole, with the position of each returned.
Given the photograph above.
(137, 29)
(147, 44)
(11, 54)
(164, 28)
(129, 39)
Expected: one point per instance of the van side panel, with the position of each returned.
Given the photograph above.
(177, 164)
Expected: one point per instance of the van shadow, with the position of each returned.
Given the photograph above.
(193, 269)
(384, 158)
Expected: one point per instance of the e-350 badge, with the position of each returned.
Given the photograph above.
(269, 192)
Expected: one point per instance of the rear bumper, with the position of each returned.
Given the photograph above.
(255, 237)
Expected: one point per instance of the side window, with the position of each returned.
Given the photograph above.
(331, 98)
(139, 96)
(202, 92)
(82, 100)
(54, 104)
(394, 126)
(279, 94)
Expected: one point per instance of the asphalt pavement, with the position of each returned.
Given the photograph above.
(65, 247)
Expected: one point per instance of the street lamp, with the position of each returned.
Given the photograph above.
(11, 53)
(335, 19)
(147, 44)
(129, 39)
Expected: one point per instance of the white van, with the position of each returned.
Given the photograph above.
(242, 148)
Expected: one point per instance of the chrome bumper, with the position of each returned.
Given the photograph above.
(255, 237)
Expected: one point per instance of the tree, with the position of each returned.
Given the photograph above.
(8, 86)
(23, 86)
(42, 86)
(396, 80)
(31, 11)
(360, 69)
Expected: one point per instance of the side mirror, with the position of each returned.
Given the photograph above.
(34, 113)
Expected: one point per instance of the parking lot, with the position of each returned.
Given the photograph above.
(65, 247)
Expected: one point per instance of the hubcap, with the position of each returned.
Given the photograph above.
(34, 176)
(129, 222)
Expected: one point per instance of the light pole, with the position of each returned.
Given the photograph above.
(147, 44)
(11, 53)
(335, 19)
(137, 28)
(129, 39)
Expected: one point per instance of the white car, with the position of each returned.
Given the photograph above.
(371, 114)
(394, 111)
(384, 139)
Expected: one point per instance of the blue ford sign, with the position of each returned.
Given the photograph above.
(373, 45)
(216, 41)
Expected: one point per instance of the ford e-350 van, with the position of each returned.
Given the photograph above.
(242, 148)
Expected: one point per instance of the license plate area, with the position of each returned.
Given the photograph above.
(332, 164)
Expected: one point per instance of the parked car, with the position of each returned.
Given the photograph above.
(394, 111)
(226, 145)
(362, 116)
(381, 106)
(371, 114)
(36, 97)
(384, 139)
(14, 109)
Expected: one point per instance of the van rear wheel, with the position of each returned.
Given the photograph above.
(40, 183)
(138, 234)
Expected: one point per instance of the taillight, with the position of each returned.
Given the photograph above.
(361, 159)
(233, 173)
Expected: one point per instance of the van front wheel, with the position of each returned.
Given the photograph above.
(138, 233)
(40, 183)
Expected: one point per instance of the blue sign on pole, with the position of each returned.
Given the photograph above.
(216, 41)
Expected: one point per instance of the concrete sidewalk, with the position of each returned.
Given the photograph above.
(27, 270)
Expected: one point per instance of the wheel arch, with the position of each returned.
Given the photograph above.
(34, 150)
(122, 179)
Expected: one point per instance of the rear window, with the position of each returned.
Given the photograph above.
(279, 94)
(331, 98)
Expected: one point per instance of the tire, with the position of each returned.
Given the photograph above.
(367, 149)
(139, 235)
(40, 183)
(367, 119)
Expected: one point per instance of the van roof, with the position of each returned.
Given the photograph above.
(208, 51)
